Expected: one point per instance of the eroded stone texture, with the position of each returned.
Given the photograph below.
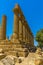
(23, 33)
(16, 26)
(3, 29)
(0, 33)
(20, 30)
(21, 37)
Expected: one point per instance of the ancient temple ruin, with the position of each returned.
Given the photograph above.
(22, 37)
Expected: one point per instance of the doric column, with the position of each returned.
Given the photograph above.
(16, 26)
(20, 30)
(4, 27)
(0, 33)
(28, 38)
(16, 22)
(24, 33)
(32, 41)
(27, 35)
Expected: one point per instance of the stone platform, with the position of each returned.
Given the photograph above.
(15, 49)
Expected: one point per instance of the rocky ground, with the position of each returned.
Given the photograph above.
(32, 59)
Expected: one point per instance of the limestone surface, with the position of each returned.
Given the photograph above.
(31, 59)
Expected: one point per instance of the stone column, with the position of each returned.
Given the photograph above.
(32, 40)
(0, 33)
(16, 26)
(20, 30)
(27, 35)
(28, 38)
(24, 33)
(16, 22)
(4, 27)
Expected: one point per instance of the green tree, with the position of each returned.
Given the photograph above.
(39, 38)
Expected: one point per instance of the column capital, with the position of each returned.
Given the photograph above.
(16, 9)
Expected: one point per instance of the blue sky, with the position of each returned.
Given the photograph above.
(32, 9)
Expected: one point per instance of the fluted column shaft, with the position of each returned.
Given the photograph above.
(0, 33)
(4, 27)
(20, 30)
(28, 38)
(24, 33)
(16, 26)
(27, 35)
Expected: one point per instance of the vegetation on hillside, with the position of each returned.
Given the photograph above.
(39, 38)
